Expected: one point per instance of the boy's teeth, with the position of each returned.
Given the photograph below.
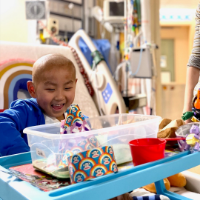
(57, 106)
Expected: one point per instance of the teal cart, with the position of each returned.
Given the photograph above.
(101, 188)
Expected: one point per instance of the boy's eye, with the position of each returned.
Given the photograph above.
(49, 89)
(68, 88)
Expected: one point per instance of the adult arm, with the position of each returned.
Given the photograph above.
(192, 78)
(193, 66)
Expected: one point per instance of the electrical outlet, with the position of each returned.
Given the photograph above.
(52, 27)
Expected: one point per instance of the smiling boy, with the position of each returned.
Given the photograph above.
(52, 90)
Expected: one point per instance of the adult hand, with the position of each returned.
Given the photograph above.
(188, 121)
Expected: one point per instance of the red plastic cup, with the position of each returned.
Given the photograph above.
(146, 150)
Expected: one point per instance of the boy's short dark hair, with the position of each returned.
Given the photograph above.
(48, 62)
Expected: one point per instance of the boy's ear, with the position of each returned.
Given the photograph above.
(31, 89)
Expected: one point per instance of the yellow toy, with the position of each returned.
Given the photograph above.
(191, 140)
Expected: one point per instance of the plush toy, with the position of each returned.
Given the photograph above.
(152, 188)
(167, 129)
(177, 180)
(193, 139)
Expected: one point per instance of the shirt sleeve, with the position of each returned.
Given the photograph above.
(194, 60)
(12, 123)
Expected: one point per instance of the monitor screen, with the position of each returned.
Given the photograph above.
(116, 9)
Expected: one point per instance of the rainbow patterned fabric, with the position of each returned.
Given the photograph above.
(91, 164)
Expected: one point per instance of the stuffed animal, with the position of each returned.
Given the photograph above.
(167, 128)
(177, 180)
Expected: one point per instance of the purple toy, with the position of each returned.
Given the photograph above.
(195, 130)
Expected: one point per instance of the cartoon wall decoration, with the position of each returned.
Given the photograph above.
(14, 74)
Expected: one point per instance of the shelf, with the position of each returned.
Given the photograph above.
(133, 102)
(66, 16)
(65, 1)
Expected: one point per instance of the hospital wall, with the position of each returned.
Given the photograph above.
(13, 24)
(180, 35)
(183, 34)
(173, 92)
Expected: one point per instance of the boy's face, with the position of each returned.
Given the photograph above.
(56, 91)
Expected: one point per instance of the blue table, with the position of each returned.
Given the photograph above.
(101, 188)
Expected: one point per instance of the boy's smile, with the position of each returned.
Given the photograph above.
(57, 106)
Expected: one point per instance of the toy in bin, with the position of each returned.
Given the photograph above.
(57, 164)
(74, 122)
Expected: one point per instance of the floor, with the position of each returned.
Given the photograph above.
(195, 169)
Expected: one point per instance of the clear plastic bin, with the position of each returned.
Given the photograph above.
(117, 130)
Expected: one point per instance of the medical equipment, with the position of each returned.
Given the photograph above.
(100, 77)
(113, 11)
(97, 13)
(52, 26)
(141, 64)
